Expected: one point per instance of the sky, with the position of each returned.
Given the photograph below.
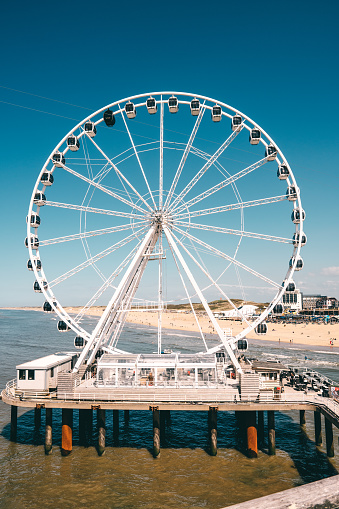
(275, 61)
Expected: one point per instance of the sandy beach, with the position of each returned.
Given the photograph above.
(301, 334)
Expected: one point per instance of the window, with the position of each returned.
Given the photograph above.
(31, 374)
(52, 372)
(22, 374)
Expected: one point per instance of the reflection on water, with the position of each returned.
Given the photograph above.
(127, 476)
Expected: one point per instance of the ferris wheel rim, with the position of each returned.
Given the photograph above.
(299, 228)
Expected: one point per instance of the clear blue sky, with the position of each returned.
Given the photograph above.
(275, 61)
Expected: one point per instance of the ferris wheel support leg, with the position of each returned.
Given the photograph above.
(104, 322)
(203, 300)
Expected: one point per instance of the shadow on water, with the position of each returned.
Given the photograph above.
(311, 463)
(185, 430)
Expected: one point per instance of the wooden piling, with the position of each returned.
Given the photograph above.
(126, 417)
(302, 416)
(329, 438)
(252, 439)
(66, 431)
(317, 428)
(271, 432)
(261, 430)
(156, 431)
(101, 431)
(212, 430)
(14, 422)
(48, 431)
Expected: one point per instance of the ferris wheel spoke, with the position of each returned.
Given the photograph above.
(229, 231)
(229, 258)
(223, 184)
(202, 298)
(138, 159)
(206, 166)
(185, 154)
(189, 298)
(161, 162)
(106, 284)
(92, 233)
(84, 208)
(90, 261)
(119, 173)
(102, 188)
(215, 284)
(233, 206)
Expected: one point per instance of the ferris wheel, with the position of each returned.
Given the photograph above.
(163, 198)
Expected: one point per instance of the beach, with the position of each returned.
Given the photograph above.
(311, 334)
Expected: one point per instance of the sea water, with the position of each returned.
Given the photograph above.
(127, 476)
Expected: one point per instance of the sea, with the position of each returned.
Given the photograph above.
(127, 476)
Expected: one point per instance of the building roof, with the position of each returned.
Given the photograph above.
(49, 361)
(268, 366)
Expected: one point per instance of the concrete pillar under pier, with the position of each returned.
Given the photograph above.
(101, 431)
(156, 431)
(317, 428)
(82, 426)
(271, 432)
(252, 439)
(115, 426)
(329, 438)
(261, 431)
(37, 417)
(48, 431)
(302, 419)
(14, 421)
(212, 430)
(66, 431)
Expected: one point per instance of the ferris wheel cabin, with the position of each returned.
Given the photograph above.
(62, 326)
(261, 329)
(109, 118)
(254, 137)
(236, 122)
(296, 238)
(34, 220)
(296, 217)
(283, 172)
(47, 178)
(79, 342)
(216, 113)
(130, 110)
(36, 262)
(73, 143)
(195, 107)
(278, 309)
(47, 307)
(173, 104)
(270, 153)
(40, 284)
(39, 199)
(151, 105)
(299, 265)
(58, 159)
(90, 129)
(33, 240)
(290, 287)
(291, 193)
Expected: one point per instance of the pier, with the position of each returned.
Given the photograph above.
(161, 401)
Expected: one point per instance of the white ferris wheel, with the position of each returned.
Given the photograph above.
(175, 197)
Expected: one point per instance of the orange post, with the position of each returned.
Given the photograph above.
(66, 432)
(252, 440)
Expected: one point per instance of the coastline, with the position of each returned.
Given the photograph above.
(293, 335)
